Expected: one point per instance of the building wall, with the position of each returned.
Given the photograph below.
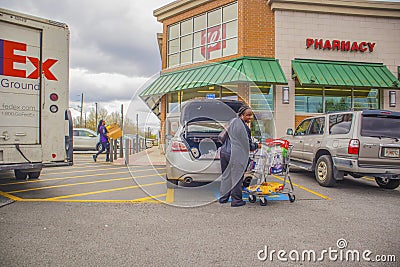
(292, 28)
(191, 13)
(256, 29)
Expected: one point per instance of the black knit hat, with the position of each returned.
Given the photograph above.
(242, 109)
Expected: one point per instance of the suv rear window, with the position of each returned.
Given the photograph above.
(340, 123)
(380, 126)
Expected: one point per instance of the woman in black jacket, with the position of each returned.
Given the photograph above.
(235, 157)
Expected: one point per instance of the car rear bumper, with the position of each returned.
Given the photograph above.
(198, 171)
(353, 166)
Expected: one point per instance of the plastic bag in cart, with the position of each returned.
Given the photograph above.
(278, 153)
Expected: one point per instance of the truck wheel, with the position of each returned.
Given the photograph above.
(34, 175)
(171, 183)
(324, 171)
(387, 183)
(19, 175)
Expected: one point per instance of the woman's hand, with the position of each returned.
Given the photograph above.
(259, 145)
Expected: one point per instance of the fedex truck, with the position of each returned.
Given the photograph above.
(35, 123)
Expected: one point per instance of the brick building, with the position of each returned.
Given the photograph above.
(287, 59)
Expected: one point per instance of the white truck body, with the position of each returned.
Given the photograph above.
(35, 125)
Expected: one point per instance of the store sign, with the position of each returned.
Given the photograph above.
(210, 96)
(213, 37)
(339, 45)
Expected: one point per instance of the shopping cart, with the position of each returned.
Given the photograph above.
(271, 159)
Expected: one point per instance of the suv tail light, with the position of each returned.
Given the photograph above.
(354, 147)
(177, 146)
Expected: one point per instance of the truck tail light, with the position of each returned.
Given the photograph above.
(354, 147)
(177, 146)
(54, 97)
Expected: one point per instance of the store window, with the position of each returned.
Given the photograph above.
(366, 99)
(321, 100)
(262, 104)
(211, 35)
(337, 99)
(309, 100)
(174, 100)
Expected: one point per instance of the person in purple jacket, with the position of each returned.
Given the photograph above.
(105, 144)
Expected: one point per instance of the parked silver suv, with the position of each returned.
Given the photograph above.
(359, 143)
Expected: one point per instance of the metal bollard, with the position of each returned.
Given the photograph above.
(111, 150)
(115, 149)
(126, 146)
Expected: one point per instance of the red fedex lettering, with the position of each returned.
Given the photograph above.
(45, 68)
(8, 58)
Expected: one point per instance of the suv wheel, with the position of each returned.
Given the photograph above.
(324, 171)
(387, 183)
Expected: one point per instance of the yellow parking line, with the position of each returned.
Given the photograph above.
(86, 170)
(4, 194)
(82, 183)
(149, 199)
(69, 177)
(105, 191)
(170, 195)
(91, 170)
(305, 189)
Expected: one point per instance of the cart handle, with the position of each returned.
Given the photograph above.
(278, 142)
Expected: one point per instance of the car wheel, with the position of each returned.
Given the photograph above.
(324, 171)
(19, 175)
(171, 183)
(387, 183)
(34, 175)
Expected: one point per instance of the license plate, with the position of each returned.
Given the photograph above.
(391, 152)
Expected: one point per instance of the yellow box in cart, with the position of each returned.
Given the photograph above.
(114, 131)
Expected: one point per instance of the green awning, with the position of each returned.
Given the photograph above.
(245, 69)
(343, 74)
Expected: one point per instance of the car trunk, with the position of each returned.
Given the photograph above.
(203, 121)
(380, 139)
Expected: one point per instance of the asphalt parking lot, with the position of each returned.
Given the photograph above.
(101, 214)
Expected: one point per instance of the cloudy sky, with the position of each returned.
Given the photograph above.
(113, 47)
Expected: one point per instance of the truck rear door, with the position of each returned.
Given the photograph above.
(20, 93)
(20, 85)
